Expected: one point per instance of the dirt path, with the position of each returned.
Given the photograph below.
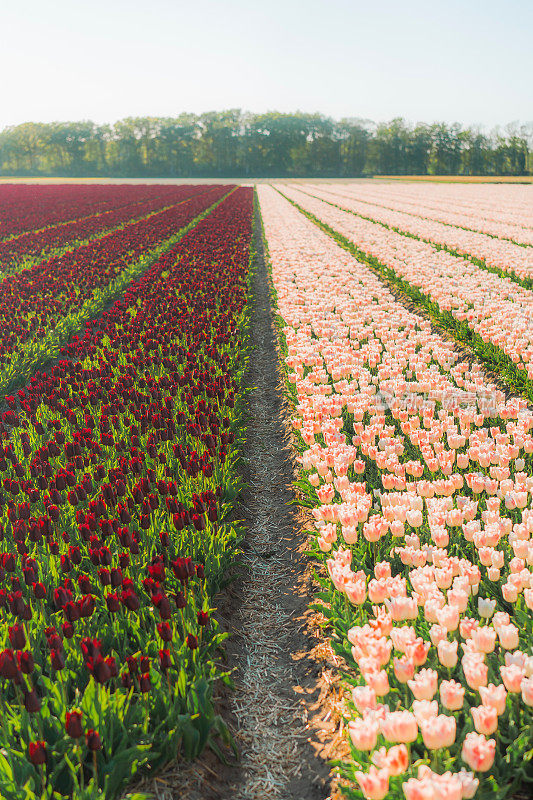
(277, 676)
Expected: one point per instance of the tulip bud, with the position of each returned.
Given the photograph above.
(17, 637)
(37, 753)
(68, 629)
(73, 723)
(39, 591)
(57, 659)
(92, 740)
(164, 660)
(32, 704)
(25, 661)
(165, 631)
(113, 603)
(126, 680)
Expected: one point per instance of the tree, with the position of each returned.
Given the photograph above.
(234, 143)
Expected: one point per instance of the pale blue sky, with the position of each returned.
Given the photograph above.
(455, 60)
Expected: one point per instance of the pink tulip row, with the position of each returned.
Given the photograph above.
(496, 308)
(424, 201)
(429, 551)
(503, 203)
(497, 253)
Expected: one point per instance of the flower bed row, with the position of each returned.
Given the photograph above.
(118, 478)
(55, 241)
(504, 202)
(42, 307)
(490, 312)
(428, 206)
(31, 207)
(416, 471)
(503, 258)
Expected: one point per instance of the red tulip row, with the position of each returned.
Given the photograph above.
(54, 298)
(31, 247)
(31, 207)
(118, 472)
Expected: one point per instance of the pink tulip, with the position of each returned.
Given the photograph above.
(425, 709)
(399, 726)
(438, 732)
(418, 651)
(451, 695)
(478, 752)
(437, 633)
(363, 733)
(424, 684)
(326, 493)
(526, 687)
(356, 592)
(379, 682)
(404, 669)
(469, 784)
(512, 677)
(374, 783)
(448, 617)
(485, 719)
(447, 652)
(475, 672)
(395, 760)
(484, 639)
(508, 636)
(364, 698)
(414, 789)
(495, 696)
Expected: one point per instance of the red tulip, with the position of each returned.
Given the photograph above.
(39, 591)
(99, 669)
(144, 683)
(113, 603)
(17, 637)
(32, 704)
(25, 661)
(93, 740)
(73, 723)
(164, 660)
(165, 631)
(8, 665)
(37, 753)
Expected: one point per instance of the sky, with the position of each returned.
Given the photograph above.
(469, 61)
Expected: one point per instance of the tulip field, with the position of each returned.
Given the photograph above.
(416, 469)
(404, 323)
(118, 470)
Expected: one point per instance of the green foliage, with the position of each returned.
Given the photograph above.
(236, 143)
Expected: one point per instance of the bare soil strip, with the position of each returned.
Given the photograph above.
(278, 679)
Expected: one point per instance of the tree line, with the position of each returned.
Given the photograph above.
(237, 144)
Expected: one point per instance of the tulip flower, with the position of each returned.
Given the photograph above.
(478, 752)
(37, 752)
(93, 740)
(73, 724)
